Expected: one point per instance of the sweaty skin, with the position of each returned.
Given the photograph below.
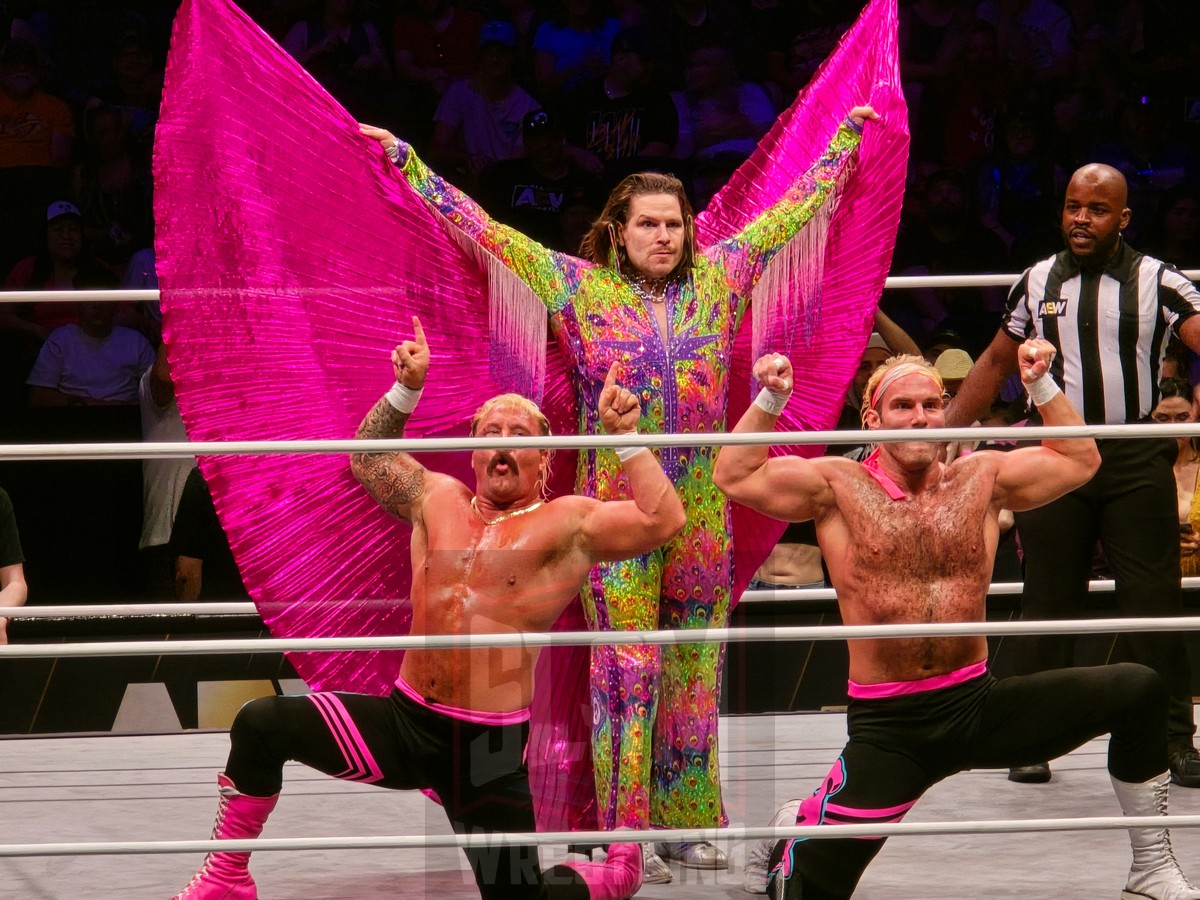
(926, 554)
(946, 536)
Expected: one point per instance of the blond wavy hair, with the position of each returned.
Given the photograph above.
(523, 403)
(892, 363)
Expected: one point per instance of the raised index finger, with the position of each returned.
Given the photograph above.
(610, 380)
(419, 333)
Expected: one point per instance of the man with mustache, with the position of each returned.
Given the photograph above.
(1108, 310)
(499, 560)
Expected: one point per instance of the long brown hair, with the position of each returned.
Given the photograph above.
(599, 244)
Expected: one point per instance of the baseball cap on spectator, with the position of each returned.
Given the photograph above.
(498, 32)
(877, 342)
(539, 123)
(954, 364)
(940, 342)
(60, 208)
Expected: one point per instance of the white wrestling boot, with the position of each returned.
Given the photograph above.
(1155, 874)
(754, 875)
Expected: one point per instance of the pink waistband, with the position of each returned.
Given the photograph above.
(900, 688)
(479, 717)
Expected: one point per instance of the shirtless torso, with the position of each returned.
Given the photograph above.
(907, 539)
(469, 577)
(500, 560)
(946, 534)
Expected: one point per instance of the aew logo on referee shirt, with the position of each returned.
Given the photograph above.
(1052, 309)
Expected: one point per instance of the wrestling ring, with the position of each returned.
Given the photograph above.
(118, 815)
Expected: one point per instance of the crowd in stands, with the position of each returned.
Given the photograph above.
(538, 107)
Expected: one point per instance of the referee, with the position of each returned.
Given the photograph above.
(1108, 310)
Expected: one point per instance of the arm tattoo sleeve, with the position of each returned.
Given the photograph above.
(394, 479)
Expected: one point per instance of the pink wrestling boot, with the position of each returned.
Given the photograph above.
(1155, 874)
(226, 876)
(618, 877)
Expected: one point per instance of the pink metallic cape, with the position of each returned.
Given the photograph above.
(292, 257)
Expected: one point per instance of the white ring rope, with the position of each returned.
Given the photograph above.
(594, 638)
(245, 608)
(117, 450)
(497, 839)
(894, 282)
(136, 610)
(183, 449)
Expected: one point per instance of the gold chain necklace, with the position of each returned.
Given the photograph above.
(503, 516)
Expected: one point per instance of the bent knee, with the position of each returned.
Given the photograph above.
(257, 716)
(1142, 682)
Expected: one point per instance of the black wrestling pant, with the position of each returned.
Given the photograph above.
(477, 770)
(900, 746)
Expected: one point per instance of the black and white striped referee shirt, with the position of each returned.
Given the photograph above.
(1110, 328)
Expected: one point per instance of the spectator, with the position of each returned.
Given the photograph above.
(683, 26)
(876, 353)
(436, 44)
(37, 136)
(941, 341)
(204, 564)
(770, 27)
(1077, 299)
(931, 32)
(344, 53)
(13, 591)
(61, 265)
(793, 564)
(956, 124)
(1175, 235)
(719, 113)
(1149, 157)
(953, 365)
(113, 188)
(478, 121)
(572, 46)
(1086, 108)
(624, 114)
(92, 363)
(135, 91)
(162, 479)
(534, 193)
(1035, 38)
(1019, 185)
(1175, 407)
(887, 340)
(524, 15)
(950, 240)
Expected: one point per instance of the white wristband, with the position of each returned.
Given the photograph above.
(771, 402)
(403, 399)
(393, 153)
(1043, 389)
(624, 454)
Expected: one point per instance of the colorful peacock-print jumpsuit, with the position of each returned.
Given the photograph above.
(654, 708)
